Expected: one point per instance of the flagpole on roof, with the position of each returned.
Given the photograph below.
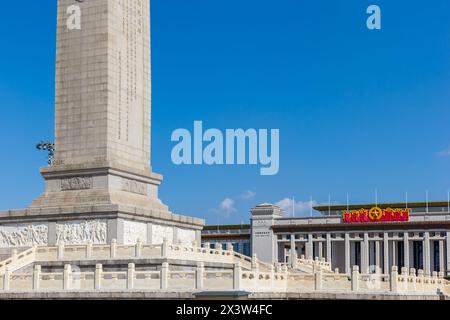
(329, 204)
(376, 197)
(406, 199)
(293, 207)
(348, 202)
(427, 200)
(311, 206)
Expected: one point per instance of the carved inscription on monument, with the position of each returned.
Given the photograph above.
(23, 235)
(77, 183)
(131, 73)
(134, 186)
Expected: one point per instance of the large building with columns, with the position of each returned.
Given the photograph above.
(373, 236)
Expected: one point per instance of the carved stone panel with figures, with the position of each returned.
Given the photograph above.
(23, 235)
(81, 232)
(77, 183)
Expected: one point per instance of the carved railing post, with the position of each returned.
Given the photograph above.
(404, 273)
(130, 276)
(6, 279)
(113, 252)
(355, 278)
(318, 280)
(237, 276)
(199, 276)
(421, 280)
(36, 277)
(412, 274)
(98, 276)
(89, 250)
(61, 247)
(294, 260)
(255, 262)
(165, 248)
(138, 248)
(14, 254)
(230, 247)
(394, 279)
(67, 276)
(164, 276)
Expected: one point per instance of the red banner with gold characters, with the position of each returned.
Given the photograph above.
(376, 215)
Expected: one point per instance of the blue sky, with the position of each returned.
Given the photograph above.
(356, 109)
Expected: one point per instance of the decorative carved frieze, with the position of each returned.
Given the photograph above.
(185, 237)
(160, 232)
(132, 231)
(134, 186)
(82, 232)
(76, 183)
(23, 235)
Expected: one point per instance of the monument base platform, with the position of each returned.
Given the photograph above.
(99, 224)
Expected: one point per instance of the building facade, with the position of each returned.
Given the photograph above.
(374, 237)
(239, 236)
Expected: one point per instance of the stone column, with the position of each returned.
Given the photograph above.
(426, 254)
(394, 253)
(309, 247)
(329, 248)
(347, 254)
(441, 256)
(406, 250)
(386, 253)
(377, 257)
(365, 257)
(320, 244)
(292, 253)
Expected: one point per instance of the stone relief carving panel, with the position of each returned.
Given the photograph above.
(186, 237)
(132, 231)
(161, 232)
(24, 235)
(77, 183)
(134, 186)
(81, 232)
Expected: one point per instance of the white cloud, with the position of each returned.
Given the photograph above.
(302, 208)
(226, 208)
(248, 195)
(444, 153)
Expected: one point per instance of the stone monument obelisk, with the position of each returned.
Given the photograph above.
(101, 185)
